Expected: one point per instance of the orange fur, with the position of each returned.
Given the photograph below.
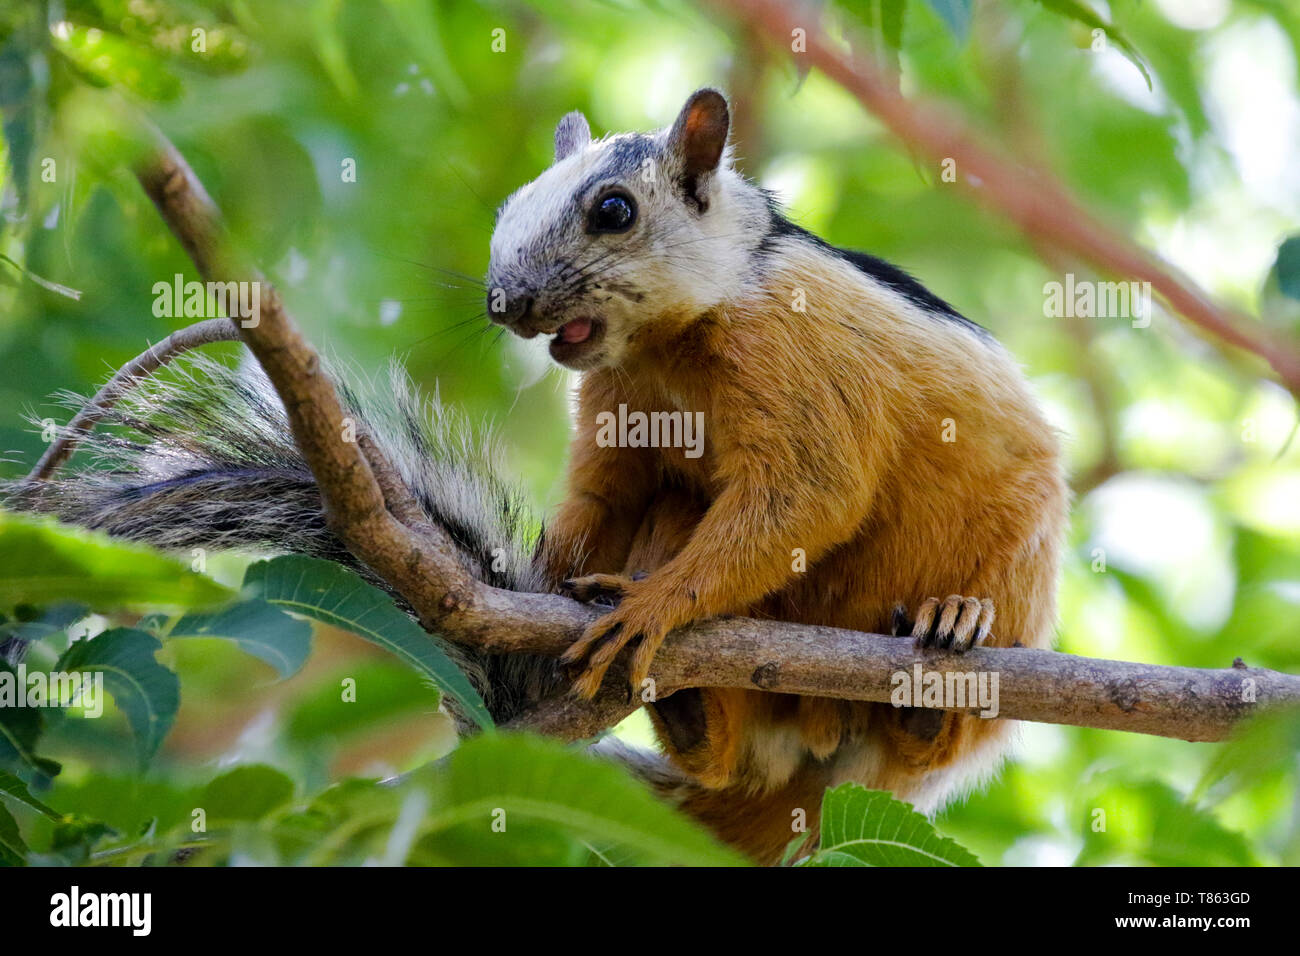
(823, 433)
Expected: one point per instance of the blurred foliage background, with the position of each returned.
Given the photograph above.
(1181, 127)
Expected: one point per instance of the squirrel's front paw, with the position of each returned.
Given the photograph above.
(954, 624)
(630, 623)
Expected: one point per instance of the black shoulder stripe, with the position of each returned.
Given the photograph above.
(884, 272)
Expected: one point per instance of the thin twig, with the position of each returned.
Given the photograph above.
(147, 362)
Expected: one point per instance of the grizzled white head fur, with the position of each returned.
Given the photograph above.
(625, 232)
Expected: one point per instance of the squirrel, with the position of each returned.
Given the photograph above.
(826, 379)
(828, 489)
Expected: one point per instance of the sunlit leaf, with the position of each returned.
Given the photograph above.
(861, 827)
(43, 562)
(1080, 12)
(539, 779)
(1148, 822)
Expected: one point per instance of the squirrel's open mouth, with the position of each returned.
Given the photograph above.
(575, 338)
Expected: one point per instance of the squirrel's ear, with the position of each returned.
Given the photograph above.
(699, 137)
(571, 135)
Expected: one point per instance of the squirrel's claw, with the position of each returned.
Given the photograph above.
(599, 644)
(954, 624)
(632, 623)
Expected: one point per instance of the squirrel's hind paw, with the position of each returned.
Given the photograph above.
(597, 588)
(954, 624)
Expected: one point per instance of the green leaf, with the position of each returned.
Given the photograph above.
(503, 776)
(1150, 823)
(1075, 10)
(892, 13)
(836, 858)
(863, 827)
(262, 630)
(534, 843)
(1287, 267)
(20, 728)
(58, 288)
(1265, 745)
(45, 623)
(419, 25)
(955, 14)
(127, 803)
(13, 851)
(387, 691)
(15, 789)
(104, 57)
(20, 106)
(72, 841)
(44, 562)
(794, 849)
(148, 693)
(246, 793)
(334, 595)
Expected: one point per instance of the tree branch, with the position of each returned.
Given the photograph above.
(421, 566)
(377, 519)
(146, 363)
(1039, 685)
(1038, 203)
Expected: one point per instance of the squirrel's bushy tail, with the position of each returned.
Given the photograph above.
(204, 458)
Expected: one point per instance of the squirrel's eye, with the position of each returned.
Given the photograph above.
(614, 213)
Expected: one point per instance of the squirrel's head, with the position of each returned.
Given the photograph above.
(622, 235)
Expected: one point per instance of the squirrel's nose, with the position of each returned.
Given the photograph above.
(510, 310)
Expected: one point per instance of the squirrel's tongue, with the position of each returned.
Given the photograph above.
(579, 330)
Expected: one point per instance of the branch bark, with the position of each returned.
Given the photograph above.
(1038, 203)
(374, 515)
(421, 565)
(1039, 685)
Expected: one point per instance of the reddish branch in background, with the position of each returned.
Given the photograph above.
(1037, 202)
